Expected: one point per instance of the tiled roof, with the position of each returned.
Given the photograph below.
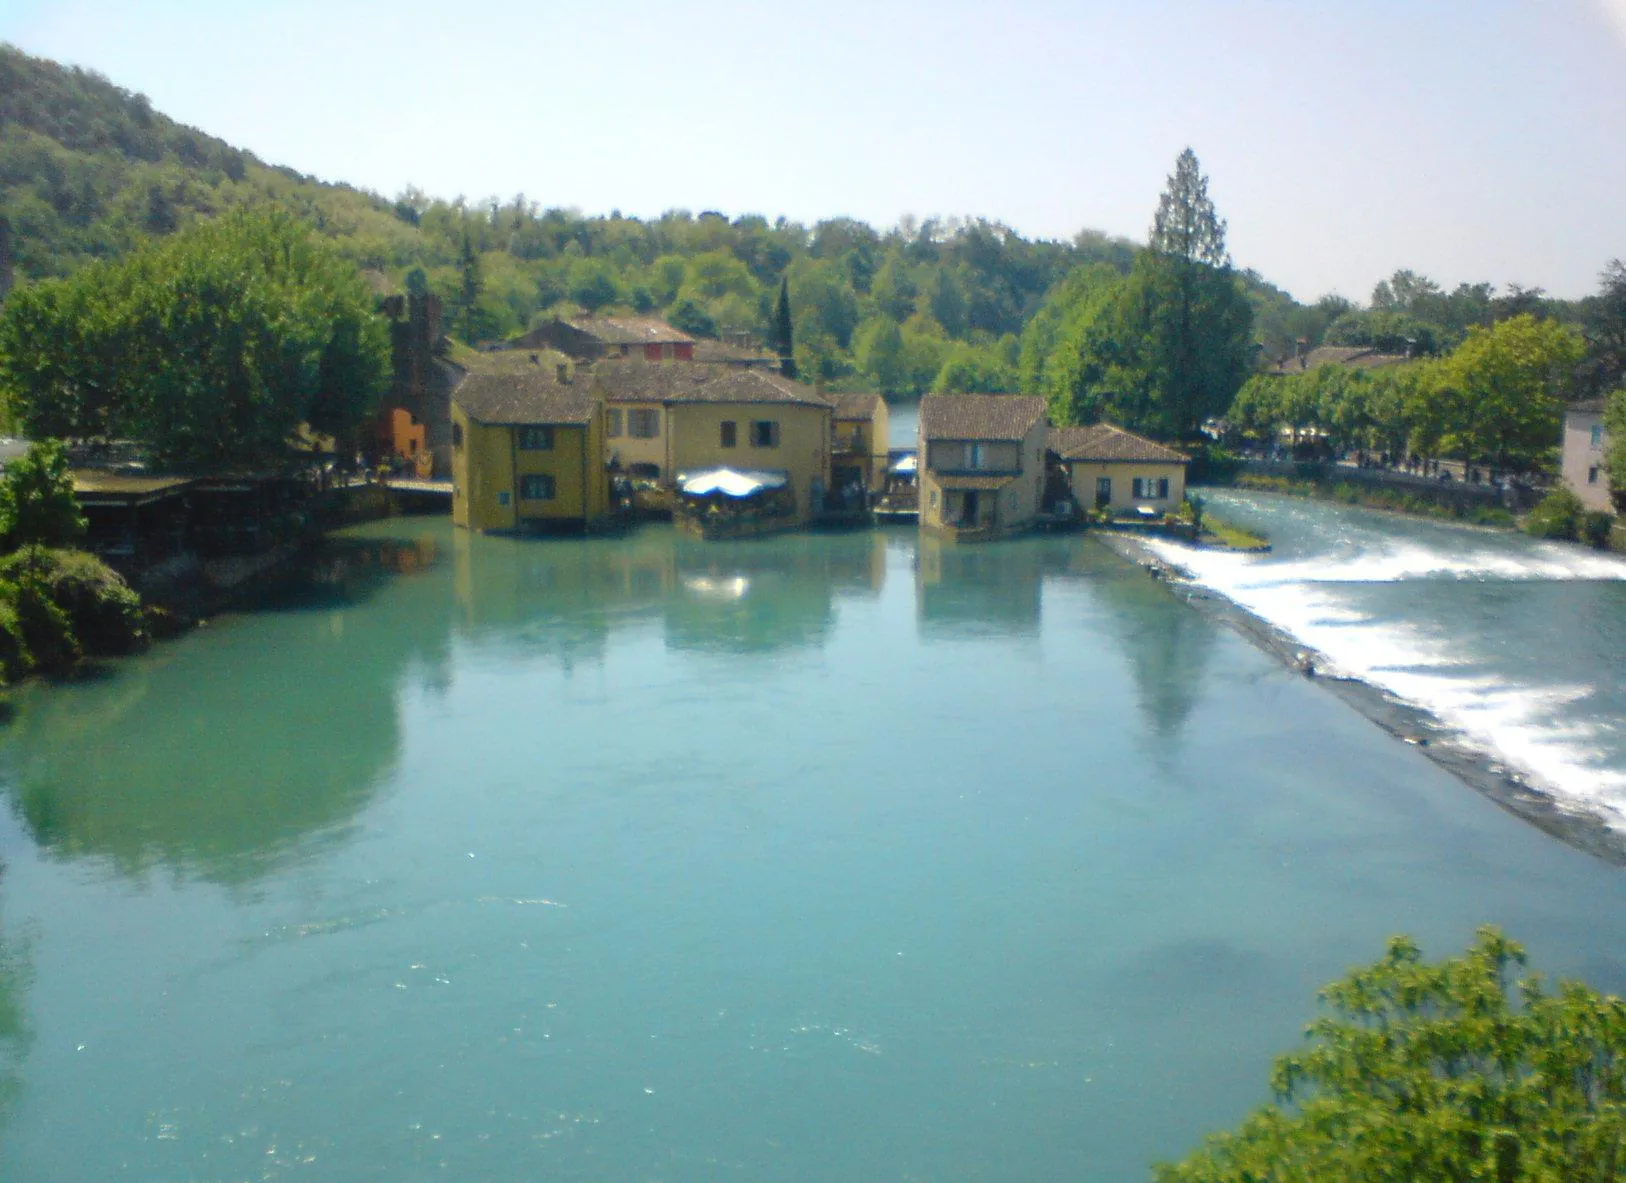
(537, 397)
(979, 484)
(857, 406)
(978, 416)
(1355, 357)
(627, 330)
(721, 351)
(696, 382)
(1588, 406)
(1103, 443)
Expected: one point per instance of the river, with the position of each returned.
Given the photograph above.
(818, 858)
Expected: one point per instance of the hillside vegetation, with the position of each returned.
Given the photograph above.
(89, 172)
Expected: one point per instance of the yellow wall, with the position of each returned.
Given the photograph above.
(1123, 474)
(803, 451)
(872, 435)
(1005, 510)
(632, 451)
(490, 464)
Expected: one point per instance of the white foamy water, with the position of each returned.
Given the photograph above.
(1458, 623)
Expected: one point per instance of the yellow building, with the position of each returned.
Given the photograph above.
(1110, 468)
(674, 417)
(528, 451)
(982, 464)
(861, 423)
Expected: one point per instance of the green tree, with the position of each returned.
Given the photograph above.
(37, 503)
(210, 347)
(893, 290)
(592, 284)
(468, 292)
(1614, 425)
(881, 356)
(1444, 1071)
(692, 319)
(945, 300)
(782, 336)
(1185, 227)
(1184, 301)
(972, 369)
(1603, 319)
(1498, 399)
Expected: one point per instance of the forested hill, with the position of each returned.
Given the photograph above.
(89, 170)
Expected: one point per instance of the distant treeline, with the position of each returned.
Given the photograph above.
(88, 171)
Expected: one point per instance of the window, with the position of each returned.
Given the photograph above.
(612, 423)
(1592, 475)
(502, 498)
(727, 433)
(643, 424)
(1597, 436)
(934, 498)
(457, 435)
(764, 433)
(1152, 488)
(536, 486)
(536, 439)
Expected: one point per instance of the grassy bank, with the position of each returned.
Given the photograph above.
(1395, 500)
(1219, 532)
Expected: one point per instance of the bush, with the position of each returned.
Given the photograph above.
(47, 632)
(1557, 516)
(104, 610)
(56, 605)
(1595, 527)
(15, 659)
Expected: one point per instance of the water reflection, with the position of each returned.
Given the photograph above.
(982, 590)
(218, 755)
(15, 977)
(564, 598)
(1167, 645)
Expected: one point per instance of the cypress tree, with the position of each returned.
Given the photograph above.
(782, 342)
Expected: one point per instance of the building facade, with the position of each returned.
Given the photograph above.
(662, 420)
(1116, 470)
(859, 442)
(982, 464)
(1585, 447)
(528, 453)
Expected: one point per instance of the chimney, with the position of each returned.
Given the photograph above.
(564, 373)
(535, 360)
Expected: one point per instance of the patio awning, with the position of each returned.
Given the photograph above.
(731, 482)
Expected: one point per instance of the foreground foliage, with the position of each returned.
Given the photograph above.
(1444, 1071)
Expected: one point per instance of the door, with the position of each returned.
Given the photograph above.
(1103, 492)
(968, 512)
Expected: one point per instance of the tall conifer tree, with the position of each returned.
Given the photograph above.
(783, 344)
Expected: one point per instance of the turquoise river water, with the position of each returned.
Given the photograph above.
(826, 857)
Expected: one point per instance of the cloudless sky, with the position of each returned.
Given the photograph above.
(1471, 140)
